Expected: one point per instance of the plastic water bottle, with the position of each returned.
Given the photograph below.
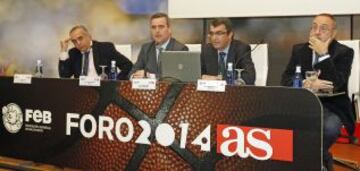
(113, 72)
(230, 74)
(297, 80)
(39, 69)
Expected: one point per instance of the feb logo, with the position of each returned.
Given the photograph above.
(12, 118)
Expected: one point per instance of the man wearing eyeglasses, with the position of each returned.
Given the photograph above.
(222, 50)
(147, 64)
(87, 56)
(332, 61)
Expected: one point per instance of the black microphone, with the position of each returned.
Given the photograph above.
(249, 51)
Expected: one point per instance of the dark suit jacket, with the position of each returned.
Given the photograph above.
(147, 56)
(103, 53)
(239, 54)
(337, 69)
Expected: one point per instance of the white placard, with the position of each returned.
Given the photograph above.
(22, 78)
(143, 83)
(89, 81)
(211, 85)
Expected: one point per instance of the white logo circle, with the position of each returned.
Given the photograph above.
(12, 117)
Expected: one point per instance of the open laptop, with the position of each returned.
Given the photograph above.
(181, 65)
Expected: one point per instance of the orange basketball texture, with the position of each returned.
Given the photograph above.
(172, 104)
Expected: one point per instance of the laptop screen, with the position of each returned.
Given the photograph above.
(181, 65)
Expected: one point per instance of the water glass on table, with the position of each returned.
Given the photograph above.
(311, 77)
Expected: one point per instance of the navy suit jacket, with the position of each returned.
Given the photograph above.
(103, 54)
(239, 54)
(337, 69)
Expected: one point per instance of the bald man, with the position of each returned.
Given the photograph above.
(333, 61)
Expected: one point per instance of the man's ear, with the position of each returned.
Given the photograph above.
(231, 35)
(334, 34)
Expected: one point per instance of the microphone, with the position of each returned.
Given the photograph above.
(249, 51)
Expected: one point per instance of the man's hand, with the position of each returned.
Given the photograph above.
(138, 74)
(319, 46)
(64, 44)
(210, 77)
(322, 85)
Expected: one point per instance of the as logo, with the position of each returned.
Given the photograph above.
(12, 117)
(258, 143)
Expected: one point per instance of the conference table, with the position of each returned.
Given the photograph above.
(174, 127)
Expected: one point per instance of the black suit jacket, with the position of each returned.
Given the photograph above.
(337, 69)
(239, 54)
(103, 54)
(147, 56)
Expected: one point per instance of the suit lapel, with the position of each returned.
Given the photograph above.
(96, 55)
(213, 61)
(306, 58)
(152, 62)
(231, 54)
(170, 45)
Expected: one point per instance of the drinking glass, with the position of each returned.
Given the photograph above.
(239, 80)
(103, 75)
(311, 77)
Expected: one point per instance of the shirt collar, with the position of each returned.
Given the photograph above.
(90, 49)
(226, 50)
(164, 45)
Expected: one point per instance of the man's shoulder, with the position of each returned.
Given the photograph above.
(300, 46)
(147, 45)
(239, 46)
(236, 42)
(178, 45)
(103, 44)
(208, 48)
(73, 52)
(343, 46)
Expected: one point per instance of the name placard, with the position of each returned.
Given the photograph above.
(143, 83)
(211, 85)
(89, 81)
(22, 78)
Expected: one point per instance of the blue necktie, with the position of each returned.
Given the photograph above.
(222, 69)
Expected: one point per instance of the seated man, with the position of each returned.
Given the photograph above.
(94, 53)
(147, 64)
(333, 62)
(223, 49)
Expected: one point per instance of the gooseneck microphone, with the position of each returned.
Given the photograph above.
(248, 52)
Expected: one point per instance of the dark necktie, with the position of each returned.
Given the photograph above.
(158, 61)
(85, 66)
(222, 69)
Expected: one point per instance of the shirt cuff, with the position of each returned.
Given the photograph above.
(64, 56)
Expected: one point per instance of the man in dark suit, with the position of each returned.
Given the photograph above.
(87, 56)
(223, 49)
(147, 64)
(333, 62)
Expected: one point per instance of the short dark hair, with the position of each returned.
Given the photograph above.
(219, 21)
(79, 26)
(329, 16)
(161, 15)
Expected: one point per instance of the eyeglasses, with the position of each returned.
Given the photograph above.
(322, 28)
(219, 33)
